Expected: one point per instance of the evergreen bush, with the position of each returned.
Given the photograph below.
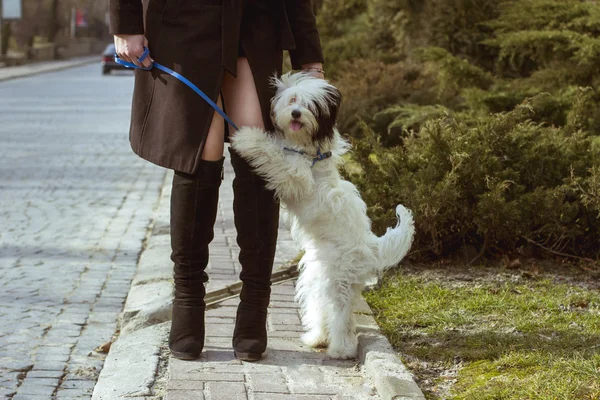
(499, 185)
(482, 116)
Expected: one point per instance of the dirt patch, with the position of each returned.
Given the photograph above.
(581, 275)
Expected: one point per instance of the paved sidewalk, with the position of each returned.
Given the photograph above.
(290, 370)
(22, 71)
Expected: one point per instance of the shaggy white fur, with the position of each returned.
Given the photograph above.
(327, 215)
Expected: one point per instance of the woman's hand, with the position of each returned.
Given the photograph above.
(315, 69)
(131, 47)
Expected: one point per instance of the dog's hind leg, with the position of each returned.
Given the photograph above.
(309, 295)
(341, 323)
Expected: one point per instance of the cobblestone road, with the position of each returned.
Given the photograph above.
(75, 204)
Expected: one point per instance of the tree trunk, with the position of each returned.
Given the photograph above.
(5, 38)
(53, 20)
(30, 42)
(53, 25)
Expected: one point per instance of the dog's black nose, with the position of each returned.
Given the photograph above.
(296, 113)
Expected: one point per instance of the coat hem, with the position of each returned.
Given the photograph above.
(160, 161)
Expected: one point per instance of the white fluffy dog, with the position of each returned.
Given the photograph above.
(328, 217)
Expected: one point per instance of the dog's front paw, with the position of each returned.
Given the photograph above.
(247, 138)
(314, 339)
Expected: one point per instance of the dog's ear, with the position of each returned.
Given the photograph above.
(327, 117)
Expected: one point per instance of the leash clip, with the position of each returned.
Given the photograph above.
(320, 157)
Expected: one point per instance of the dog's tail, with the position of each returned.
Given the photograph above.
(396, 242)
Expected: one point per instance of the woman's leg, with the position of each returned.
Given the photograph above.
(194, 201)
(241, 99)
(256, 214)
(213, 146)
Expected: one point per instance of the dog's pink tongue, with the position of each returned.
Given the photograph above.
(295, 126)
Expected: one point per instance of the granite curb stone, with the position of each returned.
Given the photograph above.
(131, 366)
(392, 379)
(150, 296)
(22, 71)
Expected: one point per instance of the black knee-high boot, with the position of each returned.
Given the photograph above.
(194, 201)
(256, 221)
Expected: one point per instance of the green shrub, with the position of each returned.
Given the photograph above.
(537, 34)
(396, 122)
(344, 31)
(482, 116)
(495, 185)
(455, 25)
(370, 86)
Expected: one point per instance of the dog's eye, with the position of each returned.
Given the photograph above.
(292, 99)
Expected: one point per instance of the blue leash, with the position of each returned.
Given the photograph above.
(177, 76)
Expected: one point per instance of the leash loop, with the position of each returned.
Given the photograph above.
(144, 55)
(179, 77)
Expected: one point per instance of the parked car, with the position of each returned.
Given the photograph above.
(108, 60)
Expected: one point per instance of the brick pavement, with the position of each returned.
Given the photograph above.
(290, 370)
(75, 204)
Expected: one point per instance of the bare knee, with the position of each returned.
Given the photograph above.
(241, 97)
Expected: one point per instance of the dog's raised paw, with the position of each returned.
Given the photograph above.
(247, 140)
(314, 339)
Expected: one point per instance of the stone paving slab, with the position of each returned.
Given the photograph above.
(132, 359)
(290, 370)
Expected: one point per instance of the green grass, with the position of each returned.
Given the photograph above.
(502, 337)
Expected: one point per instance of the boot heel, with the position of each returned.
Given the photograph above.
(247, 356)
(250, 333)
(186, 339)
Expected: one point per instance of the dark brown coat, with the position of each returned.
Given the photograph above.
(200, 40)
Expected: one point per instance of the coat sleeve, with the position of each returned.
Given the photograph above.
(126, 17)
(306, 36)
